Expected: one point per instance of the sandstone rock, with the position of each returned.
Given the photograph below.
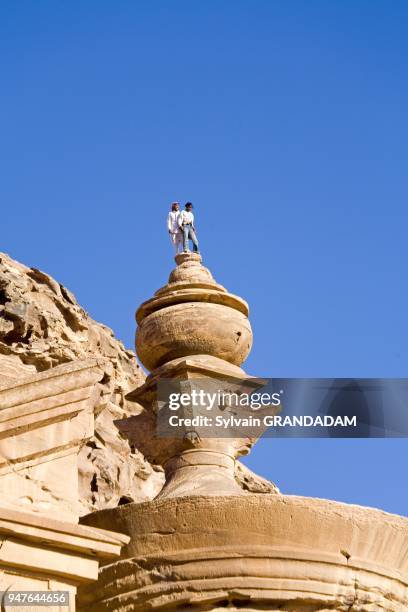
(196, 334)
(42, 326)
(252, 552)
(45, 420)
(191, 301)
(252, 482)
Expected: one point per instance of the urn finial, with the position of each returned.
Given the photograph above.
(192, 315)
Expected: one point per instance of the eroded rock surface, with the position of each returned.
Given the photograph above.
(42, 326)
(251, 482)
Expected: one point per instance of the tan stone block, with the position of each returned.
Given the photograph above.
(40, 486)
(11, 581)
(26, 556)
(44, 420)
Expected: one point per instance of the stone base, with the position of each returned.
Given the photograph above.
(253, 552)
(38, 553)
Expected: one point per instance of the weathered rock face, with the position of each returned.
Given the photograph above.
(42, 326)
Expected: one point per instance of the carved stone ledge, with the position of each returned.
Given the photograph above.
(271, 551)
(45, 419)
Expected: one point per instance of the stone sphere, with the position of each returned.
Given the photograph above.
(193, 328)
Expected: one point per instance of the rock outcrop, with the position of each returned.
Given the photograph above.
(42, 326)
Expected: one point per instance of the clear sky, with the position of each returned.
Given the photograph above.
(285, 123)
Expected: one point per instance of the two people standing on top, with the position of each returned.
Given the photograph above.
(181, 227)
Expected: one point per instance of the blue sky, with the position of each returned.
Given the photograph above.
(285, 123)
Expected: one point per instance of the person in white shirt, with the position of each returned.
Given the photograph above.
(176, 235)
(186, 223)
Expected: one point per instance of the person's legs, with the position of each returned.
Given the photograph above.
(178, 242)
(173, 241)
(186, 229)
(194, 240)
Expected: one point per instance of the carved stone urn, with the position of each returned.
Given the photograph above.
(206, 543)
